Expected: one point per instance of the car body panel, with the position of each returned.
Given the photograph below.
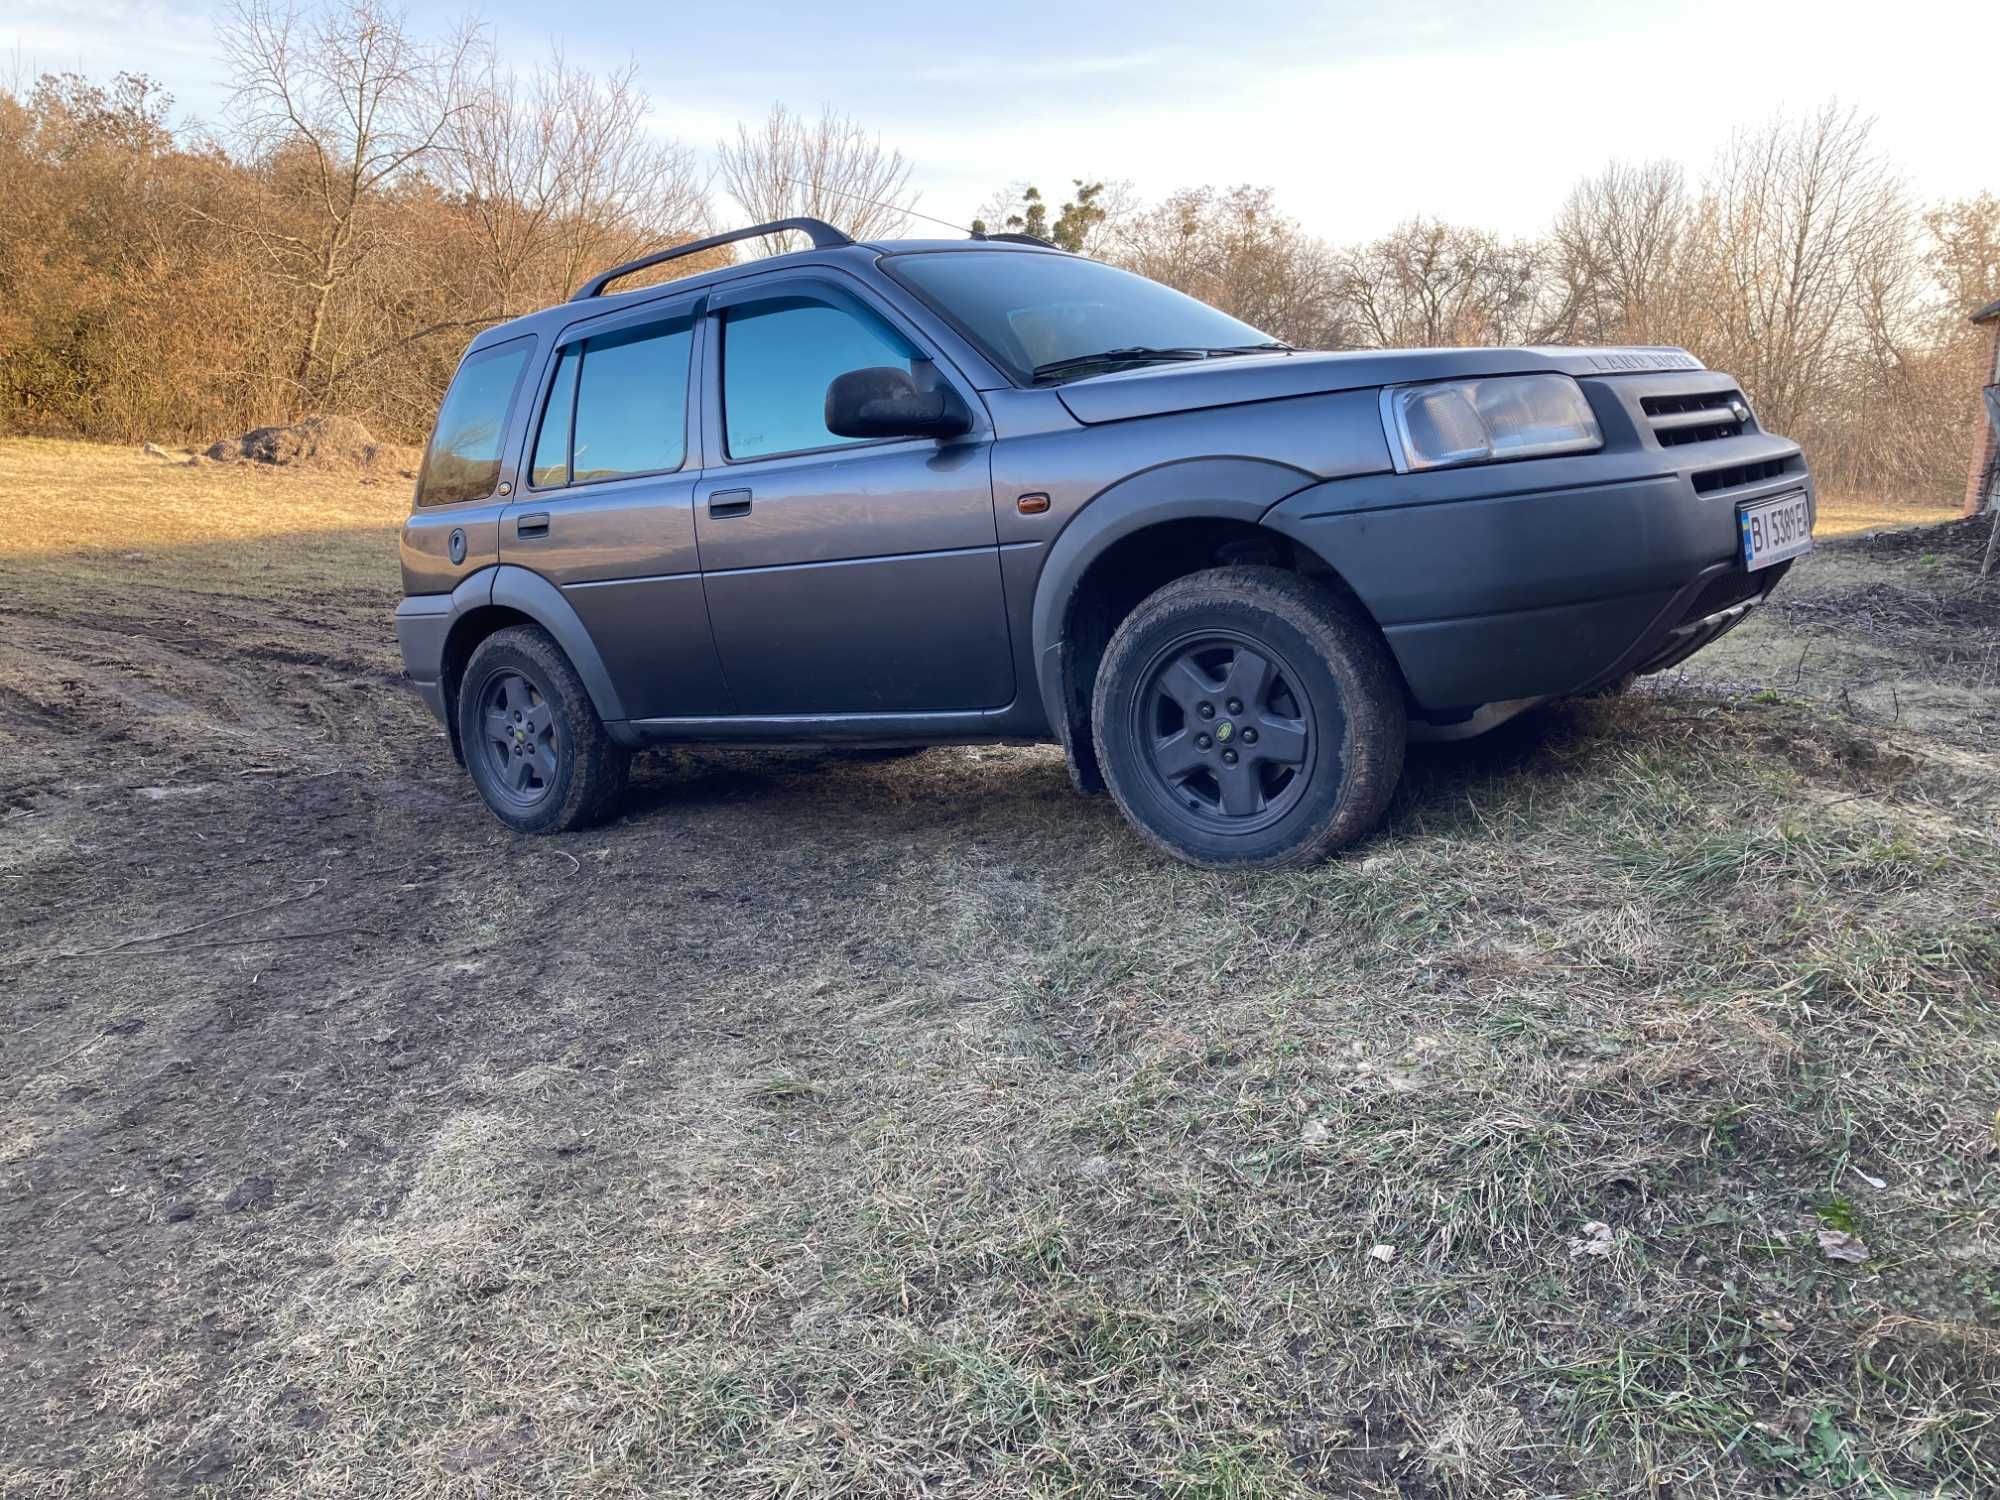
(1544, 576)
(526, 593)
(915, 633)
(431, 538)
(1238, 489)
(1313, 438)
(424, 623)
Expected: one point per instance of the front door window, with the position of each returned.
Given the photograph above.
(778, 358)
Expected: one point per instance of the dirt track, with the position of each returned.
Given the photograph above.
(259, 935)
(851, 1126)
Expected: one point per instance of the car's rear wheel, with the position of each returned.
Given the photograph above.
(536, 749)
(1248, 717)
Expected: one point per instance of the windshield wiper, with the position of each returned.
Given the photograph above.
(1130, 355)
(1142, 354)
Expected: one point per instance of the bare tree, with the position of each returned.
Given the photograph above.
(828, 169)
(561, 176)
(1964, 251)
(1096, 217)
(347, 104)
(1617, 248)
(1236, 251)
(1427, 284)
(1797, 219)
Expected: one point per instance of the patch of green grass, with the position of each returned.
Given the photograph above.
(1235, 1471)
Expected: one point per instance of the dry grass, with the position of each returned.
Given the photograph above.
(117, 516)
(1843, 515)
(837, 1129)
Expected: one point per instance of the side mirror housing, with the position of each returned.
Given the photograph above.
(884, 402)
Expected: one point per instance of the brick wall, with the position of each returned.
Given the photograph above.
(1980, 482)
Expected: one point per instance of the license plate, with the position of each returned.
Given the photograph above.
(1774, 530)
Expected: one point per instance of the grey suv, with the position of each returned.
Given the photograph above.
(932, 492)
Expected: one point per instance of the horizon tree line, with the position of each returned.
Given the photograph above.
(375, 195)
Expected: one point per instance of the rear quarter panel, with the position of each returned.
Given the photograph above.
(426, 546)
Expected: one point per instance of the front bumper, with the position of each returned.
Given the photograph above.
(1453, 666)
(1545, 577)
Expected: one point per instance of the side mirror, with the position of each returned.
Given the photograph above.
(884, 402)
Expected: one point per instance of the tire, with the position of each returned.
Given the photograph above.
(1276, 666)
(536, 749)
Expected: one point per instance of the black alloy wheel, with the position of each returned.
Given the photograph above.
(518, 740)
(1227, 730)
(1249, 717)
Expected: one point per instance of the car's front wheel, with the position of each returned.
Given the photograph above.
(1249, 717)
(536, 749)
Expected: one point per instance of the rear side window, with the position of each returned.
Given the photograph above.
(464, 458)
(551, 465)
(618, 406)
(778, 358)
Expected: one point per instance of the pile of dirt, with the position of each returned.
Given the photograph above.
(338, 444)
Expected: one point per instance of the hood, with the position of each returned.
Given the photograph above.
(1190, 385)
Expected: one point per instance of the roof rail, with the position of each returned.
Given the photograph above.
(823, 235)
(1022, 239)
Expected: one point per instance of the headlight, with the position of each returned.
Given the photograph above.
(1482, 421)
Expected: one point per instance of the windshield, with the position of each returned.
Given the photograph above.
(1028, 311)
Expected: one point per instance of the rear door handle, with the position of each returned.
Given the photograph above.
(527, 528)
(725, 503)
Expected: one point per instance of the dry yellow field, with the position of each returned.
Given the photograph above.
(1843, 515)
(119, 515)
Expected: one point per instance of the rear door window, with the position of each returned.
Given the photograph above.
(617, 406)
(464, 458)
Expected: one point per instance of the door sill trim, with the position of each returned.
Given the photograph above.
(975, 724)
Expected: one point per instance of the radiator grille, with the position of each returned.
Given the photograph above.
(1701, 418)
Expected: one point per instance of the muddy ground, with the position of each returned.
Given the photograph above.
(823, 1127)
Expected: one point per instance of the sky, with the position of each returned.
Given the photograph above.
(1359, 115)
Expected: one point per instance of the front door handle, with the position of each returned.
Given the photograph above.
(527, 528)
(725, 503)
